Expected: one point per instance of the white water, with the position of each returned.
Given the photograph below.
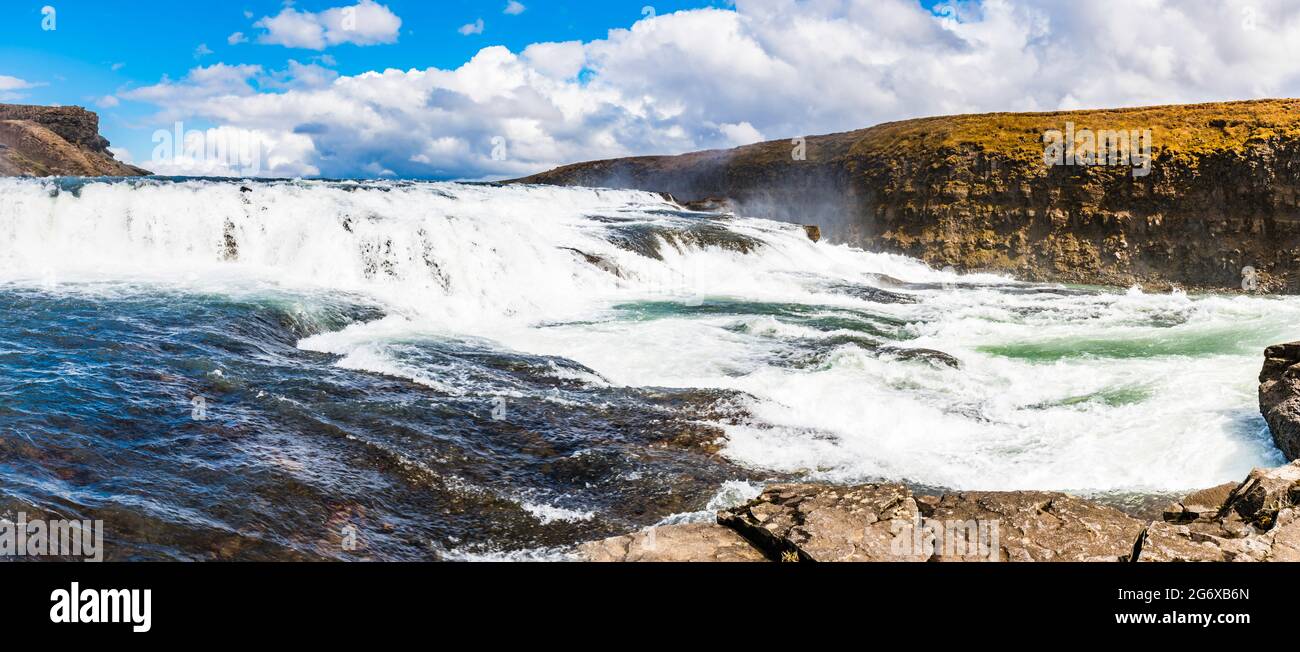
(1179, 371)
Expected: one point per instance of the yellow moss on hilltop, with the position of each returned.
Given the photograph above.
(1178, 130)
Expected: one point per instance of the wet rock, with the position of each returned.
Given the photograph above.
(599, 262)
(674, 543)
(814, 232)
(807, 522)
(1279, 396)
(936, 358)
(708, 205)
(1043, 526)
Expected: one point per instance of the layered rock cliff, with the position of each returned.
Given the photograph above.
(1221, 194)
(47, 141)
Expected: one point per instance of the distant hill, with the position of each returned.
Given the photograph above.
(975, 192)
(44, 141)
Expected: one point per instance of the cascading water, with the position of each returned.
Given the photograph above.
(259, 370)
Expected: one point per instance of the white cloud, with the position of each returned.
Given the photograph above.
(770, 69)
(10, 87)
(365, 23)
(514, 8)
(740, 134)
(8, 83)
(108, 101)
(475, 27)
(202, 51)
(236, 38)
(122, 154)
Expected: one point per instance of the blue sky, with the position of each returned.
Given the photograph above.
(411, 92)
(102, 46)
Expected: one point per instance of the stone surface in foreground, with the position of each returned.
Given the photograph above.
(826, 523)
(1042, 526)
(689, 542)
(1256, 520)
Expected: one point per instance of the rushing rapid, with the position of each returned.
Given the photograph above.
(285, 369)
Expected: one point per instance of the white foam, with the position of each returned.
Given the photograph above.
(450, 260)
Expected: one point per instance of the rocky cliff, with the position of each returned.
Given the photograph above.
(977, 192)
(47, 141)
(1279, 396)
(1255, 520)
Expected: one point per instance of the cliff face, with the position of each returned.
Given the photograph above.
(1279, 396)
(55, 141)
(975, 192)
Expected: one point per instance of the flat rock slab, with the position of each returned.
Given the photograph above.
(806, 522)
(674, 543)
(1042, 526)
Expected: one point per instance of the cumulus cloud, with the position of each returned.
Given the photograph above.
(365, 23)
(475, 27)
(514, 8)
(236, 38)
(10, 87)
(767, 69)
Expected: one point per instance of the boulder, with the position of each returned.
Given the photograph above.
(674, 543)
(1256, 522)
(1203, 505)
(1279, 396)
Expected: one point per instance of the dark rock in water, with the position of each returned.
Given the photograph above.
(869, 293)
(709, 205)
(937, 358)
(230, 249)
(600, 262)
(814, 232)
(674, 543)
(1279, 396)
(646, 239)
